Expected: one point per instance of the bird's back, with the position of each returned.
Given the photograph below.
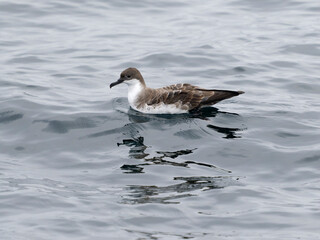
(186, 96)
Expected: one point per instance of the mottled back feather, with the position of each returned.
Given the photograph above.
(184, 96)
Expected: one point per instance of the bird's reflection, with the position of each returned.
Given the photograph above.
(229, 132)
(139, 194)
(167, 194)
(137, 151)
(137, 147)
(142, 158)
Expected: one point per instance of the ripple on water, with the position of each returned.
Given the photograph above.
(77, 163)
(9, 116)
(304, 49)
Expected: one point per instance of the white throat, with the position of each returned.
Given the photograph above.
(134, 89)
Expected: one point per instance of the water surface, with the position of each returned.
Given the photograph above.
(77, 163)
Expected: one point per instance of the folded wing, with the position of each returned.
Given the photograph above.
(188, 97)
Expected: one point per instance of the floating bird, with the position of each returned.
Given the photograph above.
(173, 99)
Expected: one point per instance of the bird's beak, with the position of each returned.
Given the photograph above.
(116, 83)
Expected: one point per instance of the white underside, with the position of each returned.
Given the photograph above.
(160, 109)
(135, 88)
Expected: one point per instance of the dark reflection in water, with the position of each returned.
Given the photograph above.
(154, 194)
(205, 113)
(137, 151)
(139, 194)
(9, 116)
(176, 153)
(155, 235)
(229, 132)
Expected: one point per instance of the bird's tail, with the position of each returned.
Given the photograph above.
(219, 95)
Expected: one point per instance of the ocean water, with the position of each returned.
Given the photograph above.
(77, 163)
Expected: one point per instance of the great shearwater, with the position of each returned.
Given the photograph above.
(177, 98)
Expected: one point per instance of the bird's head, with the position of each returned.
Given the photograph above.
(129, 76)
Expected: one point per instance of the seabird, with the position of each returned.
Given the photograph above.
(173, 99)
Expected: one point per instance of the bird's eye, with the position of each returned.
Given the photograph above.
(128, 76)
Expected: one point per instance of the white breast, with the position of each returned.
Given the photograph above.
(134, 89)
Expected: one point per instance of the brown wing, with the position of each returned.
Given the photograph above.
(181, 98)
(185, 96)
(208, 96)
(180, 86)
(213, 96)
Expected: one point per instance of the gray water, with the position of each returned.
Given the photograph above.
(77, 163)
